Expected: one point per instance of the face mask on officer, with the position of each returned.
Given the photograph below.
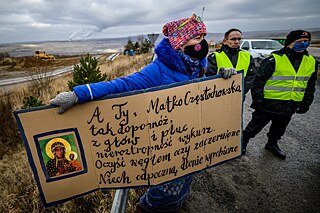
(299, 46)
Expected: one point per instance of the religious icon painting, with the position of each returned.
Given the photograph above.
(61, 154)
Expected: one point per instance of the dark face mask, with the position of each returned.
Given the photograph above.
(198, 51)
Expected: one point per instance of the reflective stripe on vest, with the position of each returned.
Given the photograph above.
(243, 61)
(287, 84)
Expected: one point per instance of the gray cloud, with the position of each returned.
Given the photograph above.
(38, 20)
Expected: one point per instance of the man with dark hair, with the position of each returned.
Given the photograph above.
(284, 85)
(230, 56)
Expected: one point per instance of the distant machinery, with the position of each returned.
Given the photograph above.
(43, 55)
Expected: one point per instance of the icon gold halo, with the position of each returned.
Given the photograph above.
(69, 153)
(49, 144)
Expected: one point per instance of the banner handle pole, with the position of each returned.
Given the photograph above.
(120, 201)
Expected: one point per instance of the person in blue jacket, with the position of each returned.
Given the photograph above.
(181, 56)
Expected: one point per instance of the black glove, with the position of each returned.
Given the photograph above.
(302, 109)
(227, 72)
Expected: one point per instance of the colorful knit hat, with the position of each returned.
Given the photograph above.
(181, 31)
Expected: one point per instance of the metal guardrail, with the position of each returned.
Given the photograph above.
(112, 57)
(120, 201)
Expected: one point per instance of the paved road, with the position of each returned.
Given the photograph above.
(315, 51)
(54, 73)
(260, 182)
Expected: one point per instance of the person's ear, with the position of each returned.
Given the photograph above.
(224, 40)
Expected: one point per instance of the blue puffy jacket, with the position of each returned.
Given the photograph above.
(166, 69)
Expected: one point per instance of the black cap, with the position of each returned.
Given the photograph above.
(295, 35)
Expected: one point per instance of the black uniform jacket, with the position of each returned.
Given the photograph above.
(266, 69)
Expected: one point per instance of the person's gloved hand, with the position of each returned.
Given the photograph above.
(302, 109)
(65, 100)
(227, 72)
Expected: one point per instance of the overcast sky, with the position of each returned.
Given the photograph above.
(43, 20)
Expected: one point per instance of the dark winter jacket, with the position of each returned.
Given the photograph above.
(212, 68)
(167, 68)
(281, 107)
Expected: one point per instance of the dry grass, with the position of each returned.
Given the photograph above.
(18, 190)
(19, 193)
(9, 136)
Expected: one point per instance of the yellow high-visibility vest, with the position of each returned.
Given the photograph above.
(287, 84)
(243, 61)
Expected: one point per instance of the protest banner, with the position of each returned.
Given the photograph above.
(140, 138)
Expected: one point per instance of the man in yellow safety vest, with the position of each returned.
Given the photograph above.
(284, 84)
(230, 56)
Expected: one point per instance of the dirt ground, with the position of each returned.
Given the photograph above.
(259, 181)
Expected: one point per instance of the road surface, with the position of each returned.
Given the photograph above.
(260, 182)
(9, 82)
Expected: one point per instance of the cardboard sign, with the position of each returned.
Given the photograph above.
(141, 138)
